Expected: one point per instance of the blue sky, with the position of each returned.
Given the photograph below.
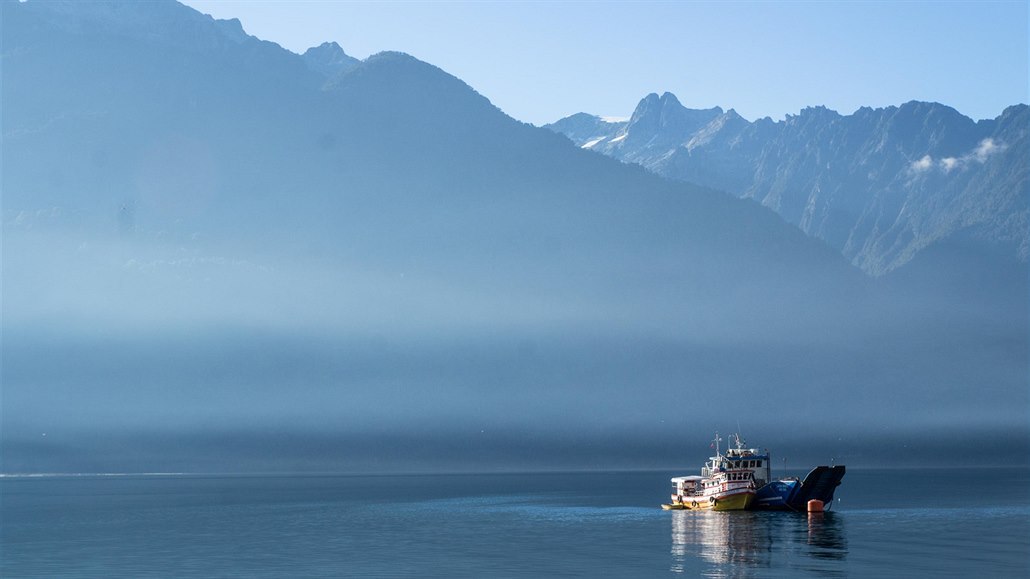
(540, 61)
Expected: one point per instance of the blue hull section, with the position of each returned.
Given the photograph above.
(791, 495)
(776, 495)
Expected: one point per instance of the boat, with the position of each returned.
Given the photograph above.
(754, 465)
(722, 486)
(787, 493)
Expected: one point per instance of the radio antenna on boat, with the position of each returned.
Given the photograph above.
(738, 440)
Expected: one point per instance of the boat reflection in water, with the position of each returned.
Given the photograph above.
(826, 538)
(733, 542)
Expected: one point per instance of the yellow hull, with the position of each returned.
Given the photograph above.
(734, 502)
(738, 502)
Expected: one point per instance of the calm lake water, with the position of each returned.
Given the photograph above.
(922, 522)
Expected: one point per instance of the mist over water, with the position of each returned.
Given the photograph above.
(217, 260)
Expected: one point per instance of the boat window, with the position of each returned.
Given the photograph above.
(759, 463)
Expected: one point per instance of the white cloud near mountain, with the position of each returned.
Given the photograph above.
(921, 165)
(987, 148)
(982, 152)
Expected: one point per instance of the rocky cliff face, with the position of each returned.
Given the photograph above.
(880, 185)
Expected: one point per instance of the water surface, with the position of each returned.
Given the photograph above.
(886, 522)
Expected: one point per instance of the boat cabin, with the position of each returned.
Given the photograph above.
(752, 460)
(687, 485)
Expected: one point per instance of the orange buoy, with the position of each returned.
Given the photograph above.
(815, 506)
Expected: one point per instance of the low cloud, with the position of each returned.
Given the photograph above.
(924, 164)
(949, 164)
(982, 152)
(986, 148)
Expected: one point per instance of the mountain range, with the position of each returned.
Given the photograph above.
(879, 185)
(221, 255)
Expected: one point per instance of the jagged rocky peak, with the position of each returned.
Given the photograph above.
(653, 106)
(817, 115)
(730, 118)
(893, 171)
(329, 59)
(732, 114)
(723, 126)
(665, 114)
